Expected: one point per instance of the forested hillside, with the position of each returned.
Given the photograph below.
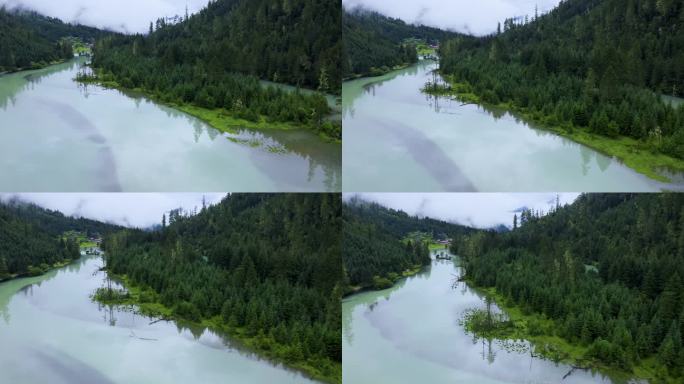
(25, 249)
(607, 270)
(591, 65)
(265, 268)
(29, 40)
(375, 246)
(373, 43)
(55, 223)
(31, 238)
(215, 59)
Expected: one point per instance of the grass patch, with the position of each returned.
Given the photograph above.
(633, 153)
(111, 296)
(146, 301)
(487, 324)
(223, 121)
(437, 247)
(80, 238)
(87, 244)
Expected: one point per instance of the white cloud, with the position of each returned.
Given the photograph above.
(120, 15)
(128, 209)
(481, 210)
(477, 17)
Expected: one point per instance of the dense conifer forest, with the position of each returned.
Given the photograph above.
(266, 268)
(31, 238)
(606, 270)
(216, 58)
(375, 245)
(374, 44)
(596, 66)
(29, 40)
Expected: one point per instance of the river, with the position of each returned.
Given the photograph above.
(398, 139)
(411, 333)
(59, 135)
(52, 332)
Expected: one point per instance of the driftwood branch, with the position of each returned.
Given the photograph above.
(159, 319)
(574, 367)
(140, 338)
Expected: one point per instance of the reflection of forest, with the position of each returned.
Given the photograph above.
(323, 158)
(354, 89)
(488, 353)
(327, 156)
(306, 145)
(367, 301)
(13, 84)
(453, 106)
(26, 285)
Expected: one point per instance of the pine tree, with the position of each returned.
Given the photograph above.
(4, 271)
(323, 85)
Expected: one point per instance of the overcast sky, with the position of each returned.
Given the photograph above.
(480, 210)
(477, 17)
(120, 15)
(128, 209)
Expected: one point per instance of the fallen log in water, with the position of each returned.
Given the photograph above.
(160, 319)
(141, 338)
(575, 367)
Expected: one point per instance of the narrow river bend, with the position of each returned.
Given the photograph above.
(52, 332)
(411, 333)
(398, 139)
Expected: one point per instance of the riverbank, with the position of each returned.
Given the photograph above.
(219, 118)
(35, 67)
(147, 302)
(539, 331)
(388, 281)
(39, 270)
(633, 153)
(377, 72)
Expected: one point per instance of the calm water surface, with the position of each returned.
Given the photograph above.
(399, 139)
(58, 136)
(51, 332)
(411, 334)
